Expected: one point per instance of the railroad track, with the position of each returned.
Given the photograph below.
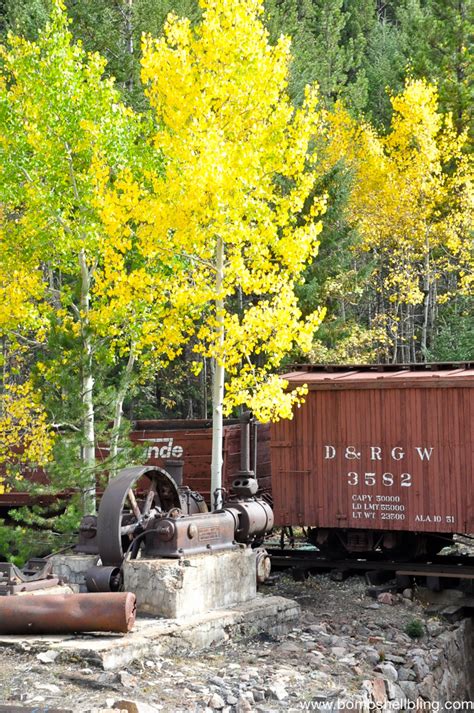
(453, 572)
(440, 567)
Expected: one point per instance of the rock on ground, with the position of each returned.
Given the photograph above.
(343, 649)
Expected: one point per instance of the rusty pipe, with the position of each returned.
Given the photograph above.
(60, 614)
(103, 579)
(245, 419)
(175, 469)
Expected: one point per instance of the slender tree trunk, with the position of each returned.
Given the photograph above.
(427, 301)
(218, 387)
(343, 310)
(129, 34)
(396, 335)
(433, 311)
(412, 349)
(400, 352)
(88, 448)
(4, 361)
(118, 413)
(204, 387)
(424, 331)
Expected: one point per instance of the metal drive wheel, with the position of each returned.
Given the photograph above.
(125, 509)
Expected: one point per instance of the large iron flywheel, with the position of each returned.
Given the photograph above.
(128, 504)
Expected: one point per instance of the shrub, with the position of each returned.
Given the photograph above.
(415, 629)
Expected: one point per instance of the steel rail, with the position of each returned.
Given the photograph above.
(457, 567)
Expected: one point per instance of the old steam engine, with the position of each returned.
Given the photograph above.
(147, 512)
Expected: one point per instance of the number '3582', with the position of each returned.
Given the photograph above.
(388, 480)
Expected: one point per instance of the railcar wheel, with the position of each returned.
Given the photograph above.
(412, 545)
(328, 543)
(125, 509)
(434, 544)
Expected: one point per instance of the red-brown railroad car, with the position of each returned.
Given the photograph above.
(189, 441)
(379, 456)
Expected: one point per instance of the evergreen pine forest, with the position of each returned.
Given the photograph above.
(247, 188)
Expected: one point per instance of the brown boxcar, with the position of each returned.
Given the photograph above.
(187, 440)
(376, 451)
(191, 442)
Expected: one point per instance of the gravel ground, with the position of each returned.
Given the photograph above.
(343, 639)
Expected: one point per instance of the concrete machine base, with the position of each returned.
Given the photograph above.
(175, 588)
(72, 569)
(158, 637)
(196, 602)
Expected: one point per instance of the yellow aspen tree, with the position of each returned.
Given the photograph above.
(238, 203)
(411, 202)
(26, 438)
(56, 114)
(74, 164)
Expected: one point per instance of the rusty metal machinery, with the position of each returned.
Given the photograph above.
(179, 535)
(123, 515)
(144, 511)
(242, 520)
(103, 579)
(131, 501)
(36, 574)
(147, 510)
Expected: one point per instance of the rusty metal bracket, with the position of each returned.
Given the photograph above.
(36, 574)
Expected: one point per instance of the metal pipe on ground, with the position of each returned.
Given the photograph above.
(61, 614)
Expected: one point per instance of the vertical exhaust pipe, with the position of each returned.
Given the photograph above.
(245, 420)
(175, 469)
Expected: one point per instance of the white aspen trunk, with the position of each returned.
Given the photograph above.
(218, 387)
(396, 336)
(129, 31)
(4, 362)
(88, 449)
(434, 309)
(427, 300)
(343, 310)
(204, 387)
(410, 333)
(130, 27)
(118, 413)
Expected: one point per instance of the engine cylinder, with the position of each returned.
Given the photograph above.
(255, 518)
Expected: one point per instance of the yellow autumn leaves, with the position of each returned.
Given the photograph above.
(239, 173)
(230, 165)
(25, 434)
(412, 204)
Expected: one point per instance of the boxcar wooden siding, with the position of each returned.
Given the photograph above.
(192, 444)
(189, 441)
(391, 451)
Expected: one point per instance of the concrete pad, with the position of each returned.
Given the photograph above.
(175, 588)
(57, 589)
(72, 569)
(152, 636)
